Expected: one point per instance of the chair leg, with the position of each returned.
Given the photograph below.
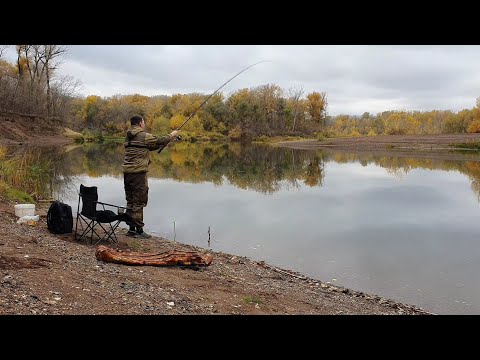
(89, 230)
(112, 232)
(108, 234)
(79, 217)
(78, 214)
(86, 231)
(103, 236)
(76, 226)
(90, 224)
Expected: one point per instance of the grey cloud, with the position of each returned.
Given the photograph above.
(356, 78)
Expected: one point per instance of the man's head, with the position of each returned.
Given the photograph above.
(137, 120)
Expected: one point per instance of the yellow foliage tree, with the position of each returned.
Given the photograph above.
(474, 126)
(413, 125)
(394, 123)
(90, 109)
(355, 132)
(194, 124)
(341, 124)
(317, 106)
(160, 125)
(221, 128)
(176, 121)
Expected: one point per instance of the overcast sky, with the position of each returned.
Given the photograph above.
(356, 78)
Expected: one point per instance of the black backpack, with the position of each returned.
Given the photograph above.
(59, 218)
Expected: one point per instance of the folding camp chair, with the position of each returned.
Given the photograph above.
(91, 217)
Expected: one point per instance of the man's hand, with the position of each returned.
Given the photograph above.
(174, 134)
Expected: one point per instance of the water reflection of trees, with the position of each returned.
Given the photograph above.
(261, 168)
(61, 180)
(399, 166)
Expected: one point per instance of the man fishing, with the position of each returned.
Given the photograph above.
(138, 144)
(135, 166)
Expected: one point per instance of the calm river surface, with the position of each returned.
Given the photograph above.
(402, 227)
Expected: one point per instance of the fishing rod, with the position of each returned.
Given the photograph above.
(178, 137)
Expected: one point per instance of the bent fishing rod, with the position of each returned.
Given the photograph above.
(205, 101)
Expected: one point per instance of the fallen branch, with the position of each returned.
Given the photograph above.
(167, 258)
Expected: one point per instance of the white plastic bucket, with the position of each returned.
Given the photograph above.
(24, 209)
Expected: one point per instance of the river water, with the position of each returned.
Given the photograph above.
(402, 227)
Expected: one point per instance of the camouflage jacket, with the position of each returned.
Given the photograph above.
(138, 144)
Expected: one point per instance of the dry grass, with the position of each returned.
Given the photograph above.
(25, 174)
(3, 152)
(72, 134)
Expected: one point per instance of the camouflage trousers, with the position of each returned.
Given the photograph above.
(136, 194)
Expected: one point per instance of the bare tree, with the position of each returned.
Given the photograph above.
(29, 91)
(35, 64)
(27, 86)
(295, 94)
(63, 90)
(2, 49)
(33, 55)
(50, 53)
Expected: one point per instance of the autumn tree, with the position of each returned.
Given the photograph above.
(268, 98)
(215, 113)
(90, 111)
(176, 121)
(241, 113)
(161, 125)
(317, 107)
(294, 97)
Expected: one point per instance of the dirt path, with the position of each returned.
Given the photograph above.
(42, 273)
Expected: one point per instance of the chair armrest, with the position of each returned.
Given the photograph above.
(117, 206)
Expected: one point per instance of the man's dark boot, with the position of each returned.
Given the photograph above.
(131, 231)
(141, 234)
